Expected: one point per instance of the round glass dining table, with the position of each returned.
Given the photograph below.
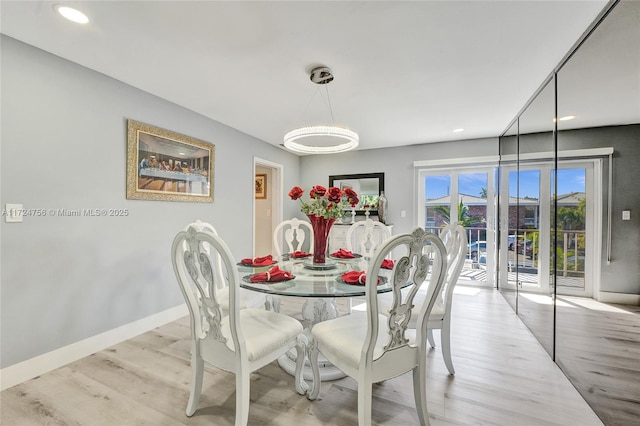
(310, 280)
(320, 285)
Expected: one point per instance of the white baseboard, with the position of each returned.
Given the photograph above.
(25, 370)
(619, 298)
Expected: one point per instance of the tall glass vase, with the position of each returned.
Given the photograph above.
(321, 228)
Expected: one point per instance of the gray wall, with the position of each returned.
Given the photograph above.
(397, 165)
(65, 279)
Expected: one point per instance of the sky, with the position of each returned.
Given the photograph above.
(569, 180)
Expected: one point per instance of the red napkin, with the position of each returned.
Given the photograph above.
(355, 277)
(387, 264)
(299, 253)
(258, 261)
(343, 254)
(273, 275)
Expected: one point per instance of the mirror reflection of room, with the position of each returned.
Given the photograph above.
(582, 307)
(368, 186)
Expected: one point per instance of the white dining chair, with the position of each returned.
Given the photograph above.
(455, 241)
(291, 235)
(370, 347)
(364, 237)
(241, 341)
(248, 299)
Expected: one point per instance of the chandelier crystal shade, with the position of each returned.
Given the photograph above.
(346, 139)
(321, 139)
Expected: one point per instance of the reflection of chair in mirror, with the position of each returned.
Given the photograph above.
(241, 341)
(248, 298)
(290, 235)
(366, 236)
(368, 346)
(455, 241)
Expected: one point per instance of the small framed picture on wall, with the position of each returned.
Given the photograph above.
(261, 186)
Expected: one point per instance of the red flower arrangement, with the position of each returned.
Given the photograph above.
(328, 203)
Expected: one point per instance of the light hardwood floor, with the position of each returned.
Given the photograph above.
(503, 377)
(598, 346)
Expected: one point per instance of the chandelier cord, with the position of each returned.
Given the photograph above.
(326, 102)
(333, 120)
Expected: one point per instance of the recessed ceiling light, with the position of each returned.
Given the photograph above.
(458, 130)
(72, 14)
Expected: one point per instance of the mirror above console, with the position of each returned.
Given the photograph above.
(367, 185)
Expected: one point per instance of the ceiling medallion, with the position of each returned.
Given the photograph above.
(321, 139)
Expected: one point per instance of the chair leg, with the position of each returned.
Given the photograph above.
(197, 371)
(420, 392)
(243, 381)
(365, 394)
(445, 341)
(432, 342)
(313, 360)
(301, 355)
(272, 303)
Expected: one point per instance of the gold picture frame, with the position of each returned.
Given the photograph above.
(261, 186)
(167, 166)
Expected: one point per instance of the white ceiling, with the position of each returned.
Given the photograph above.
(405, 72)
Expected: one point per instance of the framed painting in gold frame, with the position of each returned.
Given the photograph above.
(167, 166)
(261, 186)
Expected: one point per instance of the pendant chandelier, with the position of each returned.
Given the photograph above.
(321, 139)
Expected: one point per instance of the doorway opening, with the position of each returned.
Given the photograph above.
(267, 204)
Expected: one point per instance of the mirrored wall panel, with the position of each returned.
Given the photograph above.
(576, 240)
(598, 344)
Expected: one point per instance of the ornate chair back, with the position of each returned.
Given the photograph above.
(248, 299)
(455, 241)
(203, 266)
(290, 235)
(420, 253)
(454, 238)
(364, 237)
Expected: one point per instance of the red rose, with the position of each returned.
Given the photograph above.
(296, 192)
(334, 194)
(317, 191)
(352, 196)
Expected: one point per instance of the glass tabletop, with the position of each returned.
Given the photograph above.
(314, 281)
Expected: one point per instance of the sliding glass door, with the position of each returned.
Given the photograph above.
(466, 196)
